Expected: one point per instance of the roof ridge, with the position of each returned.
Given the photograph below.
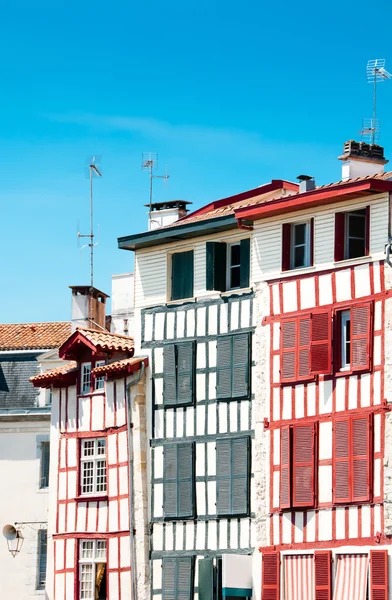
(36, 323)
(104, 332)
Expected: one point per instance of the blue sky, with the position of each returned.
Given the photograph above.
(230, 95)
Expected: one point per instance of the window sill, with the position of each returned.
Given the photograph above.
(353, 261)
(98, 392)
(180, 301)
(235, 291)
(92, 498)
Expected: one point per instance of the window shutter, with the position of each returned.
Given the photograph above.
(288, 350)
(216, 266)
(270, 581)
(169, 591)
(303, 465)
(321, 343)
(223, 477)
(224, 367)
(285, 455)
(206, 579)
(286, 246)
(185, 493)
(42, 558)
(185, 578)
(304, 348)
(240, 366)
(360, 336)
(182, 275)
(185, 373)
(311, 243)
(240, 450)
(361, 458)
(342, 461)
(170, 481)
(244, 263)
(45, 455)
(169, 375)
(322, 568)
(378, 574)
(339, 235)
(367, 231)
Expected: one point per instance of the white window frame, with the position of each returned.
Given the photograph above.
(99, 380)
(306, 244)
(90, 463)
(94, 554)
(345, 317)
(84, 368)
(229, 266)
(347, 236)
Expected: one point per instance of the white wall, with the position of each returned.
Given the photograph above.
(123, 304)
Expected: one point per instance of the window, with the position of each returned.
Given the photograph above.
(353, 326)
(297, 245)
(297, 470)
(85, 374)
(99, 382)
(178, 578)
(93, 466)
(178, 481)
(352, 234)
(92, 570)
(44, 466)
(42, 554)
(352, 452)
(233, 366)
(232, 476)
(228, 265)
(345, 338)
(182, 275)
(178, 374)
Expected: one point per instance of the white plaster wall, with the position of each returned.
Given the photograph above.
(123, 304)
(21, 500)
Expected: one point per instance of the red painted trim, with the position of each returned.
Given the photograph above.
(95, 498)
(366, 541)
(87, 535)
(94, 434)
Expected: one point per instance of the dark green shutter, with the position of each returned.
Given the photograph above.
(185, 494)
(169, 375)
(240, 381)
(42, 556)
(182, 275)
(185, 373)
(178, 576)
(224, 367)
(240, 451)
(45, 453)
(170, 481)
(245, 263)
(169, 591)
(206, 579)
(216, 266)
(223, 477)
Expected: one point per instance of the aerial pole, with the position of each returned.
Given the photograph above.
(375, 73)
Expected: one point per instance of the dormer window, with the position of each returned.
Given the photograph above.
(85, 378)
(297, 245)
(228, 265)
(352, 234)
(99, 382)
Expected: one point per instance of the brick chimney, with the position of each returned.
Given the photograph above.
(360, 159)
(166, 213)
(88, 307)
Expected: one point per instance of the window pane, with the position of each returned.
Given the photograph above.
(87, 477)
(86, 581)
(235, 277)
(299, 233)
(357, 223)
(42, 554)
(101, 549)
(88, 448)
(101, 476)
(101, 447)
(299, 256)
(356, 247)
(87, 549)
(235, 255)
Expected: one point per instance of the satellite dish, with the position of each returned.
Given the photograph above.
(9, 532)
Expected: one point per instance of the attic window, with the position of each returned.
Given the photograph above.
(352, 234)
(85, 378)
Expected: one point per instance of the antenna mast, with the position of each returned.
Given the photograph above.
(150, 163)
(375, 72)
(93, 172)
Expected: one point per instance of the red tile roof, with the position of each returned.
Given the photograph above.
(127, 365)
(54, 373)
(33, 336)
(108, 341)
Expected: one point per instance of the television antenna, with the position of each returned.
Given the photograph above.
(150, 164)
(375, 73)
(93, 172)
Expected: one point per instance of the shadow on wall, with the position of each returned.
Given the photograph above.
(3, 383)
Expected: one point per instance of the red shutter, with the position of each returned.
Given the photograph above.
(311, 248)
(288, 350)
(378, 574)
(361, 325)
(322, 569)
(286, 246)
(339, 235)
(303, 465)
(367, 231)
(321, 343)
(270, 580)
(341, 467)
(361, 454)
(285, 474)
(303, 348)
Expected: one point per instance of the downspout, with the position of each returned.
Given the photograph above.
(132, 530)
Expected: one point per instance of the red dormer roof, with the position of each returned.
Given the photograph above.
(96, 341)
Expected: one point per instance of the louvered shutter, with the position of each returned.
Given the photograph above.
(322, 571)
(288, 350)
(169, 586)
(286, 246)
(240, 468)
(42, 558)
(244, 262)
(240, 371)
(216, 266)
(304, 348)
(169, 375)
(311, 243)
(378, 574)
(360, 458)
(367, 231)
(285, 469)
(185, 490)
(321, 343)
(339, 235)
(182, 275)
(45, 456)
(185, 373)
(303, 465)
(360, 336)
(185, 578)
(342, 460)
(170, 481)
(270, 580)
(223, 477)
(206, 579)
(224, 367)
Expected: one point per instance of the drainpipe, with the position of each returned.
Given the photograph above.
(131, 498)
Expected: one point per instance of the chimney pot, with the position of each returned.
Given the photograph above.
(88, 307)
(306, 183)
(166, 213)
(360, 159)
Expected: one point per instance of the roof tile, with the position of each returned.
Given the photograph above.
(33, 336)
